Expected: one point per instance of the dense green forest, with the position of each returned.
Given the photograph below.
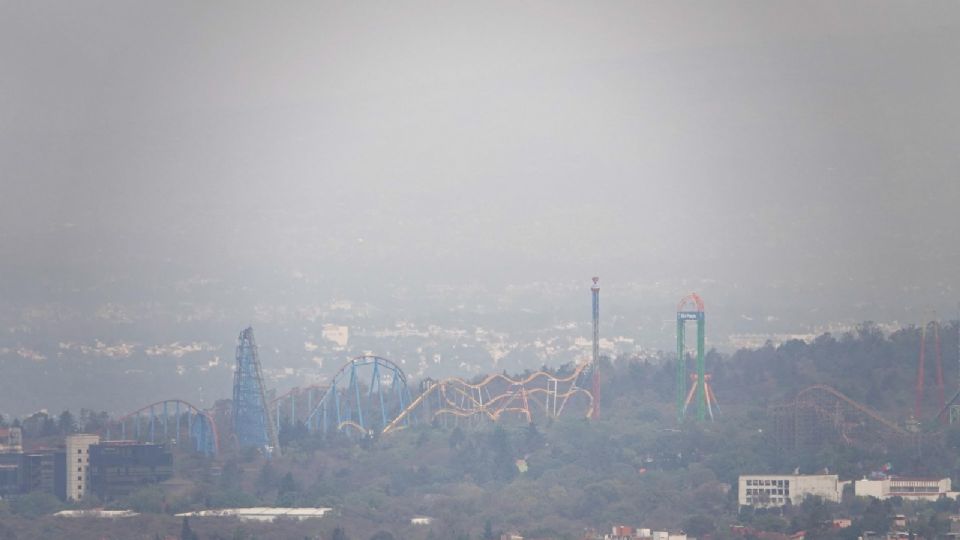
(635, 465)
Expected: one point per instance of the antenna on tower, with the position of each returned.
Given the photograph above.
(595, 390)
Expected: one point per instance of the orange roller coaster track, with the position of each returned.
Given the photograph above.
(497, 395)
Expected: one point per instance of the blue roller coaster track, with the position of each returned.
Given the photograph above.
(166, 422)
(251, 419)
(365, 395)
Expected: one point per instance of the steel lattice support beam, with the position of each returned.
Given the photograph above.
(252, 424)
(921, 374)
(200, 428)
(821, 414)
(367, 407)
(498, 396)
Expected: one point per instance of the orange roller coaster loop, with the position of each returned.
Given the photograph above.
(459, 398)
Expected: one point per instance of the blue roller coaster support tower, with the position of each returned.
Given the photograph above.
(367, 405)
(252, 424)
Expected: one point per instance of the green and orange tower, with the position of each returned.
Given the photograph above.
(691, 309)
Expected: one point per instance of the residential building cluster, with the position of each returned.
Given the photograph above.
(743, 531)
(625, 532)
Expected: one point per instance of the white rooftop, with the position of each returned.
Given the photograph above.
(97, 513)
(261, 513)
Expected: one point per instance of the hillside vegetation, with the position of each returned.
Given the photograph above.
(635, 465)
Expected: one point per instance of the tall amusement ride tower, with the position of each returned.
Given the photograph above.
(251, 422)
(595, 390)
(691, 309)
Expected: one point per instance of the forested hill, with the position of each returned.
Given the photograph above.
(557, 477)
(869, 366)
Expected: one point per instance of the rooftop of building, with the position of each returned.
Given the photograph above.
(97, 513)
(825, 475)
(264, 511)
(127, 443)
(907, 479)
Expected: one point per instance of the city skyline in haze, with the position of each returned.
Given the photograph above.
(793, 163)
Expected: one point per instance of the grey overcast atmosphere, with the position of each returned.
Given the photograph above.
(436, 182)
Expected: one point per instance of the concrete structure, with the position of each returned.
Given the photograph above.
(916, 489)
(9, 479)
(337, 334)
(77, 464)
(625, 532)
(46, 472)
(33, 472)
(96, 513)
(118, 468)
(741, 531)
(769, 490)
(11, 440)
(262, 513)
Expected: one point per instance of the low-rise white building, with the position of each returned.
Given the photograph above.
(624, 532)
(96, 513)
(926, 489)
(768, 490)
(262, 513)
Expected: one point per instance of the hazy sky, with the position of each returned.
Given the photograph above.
(807, 145)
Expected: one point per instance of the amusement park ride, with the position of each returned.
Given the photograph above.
(691, 309)
(251, 420)
(370, 395)
(950, 411)
(938, 363)
(367, 395)
(595, 385)
(821, 413)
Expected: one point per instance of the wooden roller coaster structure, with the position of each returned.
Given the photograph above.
(822, 414)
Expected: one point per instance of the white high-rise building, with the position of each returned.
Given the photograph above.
(78, 462)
